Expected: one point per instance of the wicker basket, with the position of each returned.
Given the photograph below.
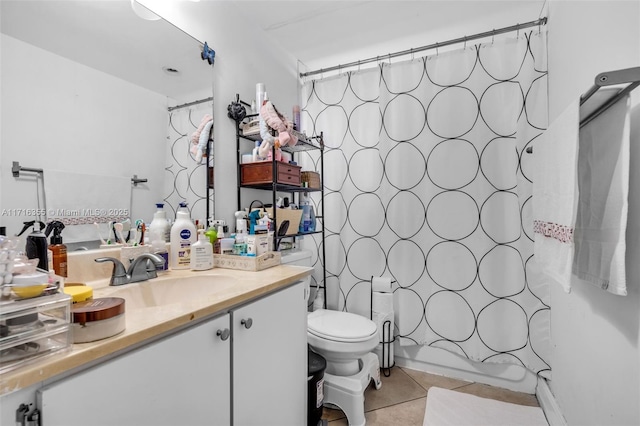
(311, 180)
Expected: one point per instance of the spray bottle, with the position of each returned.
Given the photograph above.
(57, 250)
(36, 245)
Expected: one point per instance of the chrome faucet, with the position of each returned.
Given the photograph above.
(142, 268)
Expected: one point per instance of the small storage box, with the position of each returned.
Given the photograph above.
(311, 180)
(247, 263)
(261, 173)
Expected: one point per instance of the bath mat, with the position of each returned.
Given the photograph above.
(450, 408)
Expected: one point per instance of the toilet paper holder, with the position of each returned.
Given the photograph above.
(387, 337)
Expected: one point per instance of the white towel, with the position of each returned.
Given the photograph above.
(79, 200)
(603, 180)
(555, 195)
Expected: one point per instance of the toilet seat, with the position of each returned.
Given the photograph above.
(340, 326)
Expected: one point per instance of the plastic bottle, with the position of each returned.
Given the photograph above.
(57, 250)
(160, 224)
(201, 253)
(159, 247)
(254, 154)
(305, 223)
(36, 244)
(183, 235)
(296, 117)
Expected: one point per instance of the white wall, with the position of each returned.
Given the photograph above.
(595, 356)
(244, 57)
(76, 119)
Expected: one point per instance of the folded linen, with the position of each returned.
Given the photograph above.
(555, 195)
(603, 180)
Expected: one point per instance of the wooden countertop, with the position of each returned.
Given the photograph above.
(147, 323)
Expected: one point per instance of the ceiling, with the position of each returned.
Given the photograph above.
(319, 32)
(107, 35)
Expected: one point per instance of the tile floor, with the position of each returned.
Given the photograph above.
(402, 399)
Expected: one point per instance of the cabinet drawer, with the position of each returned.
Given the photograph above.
(261, 173)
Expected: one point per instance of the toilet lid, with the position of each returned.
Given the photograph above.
(340, 326)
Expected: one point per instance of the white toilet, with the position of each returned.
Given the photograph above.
(345, 340)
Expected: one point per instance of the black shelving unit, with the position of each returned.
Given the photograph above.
(305, 143)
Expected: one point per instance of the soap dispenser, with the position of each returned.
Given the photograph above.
(183, 235)
(36, 245)
(202, 253)
(57, 250)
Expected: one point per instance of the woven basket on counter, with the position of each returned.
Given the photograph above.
(311, 180)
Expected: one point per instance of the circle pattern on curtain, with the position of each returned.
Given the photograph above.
(427, 181)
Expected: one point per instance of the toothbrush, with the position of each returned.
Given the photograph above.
(102, 241)
(118, 231)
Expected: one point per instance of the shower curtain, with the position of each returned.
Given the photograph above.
(186, 180)
(427, 181)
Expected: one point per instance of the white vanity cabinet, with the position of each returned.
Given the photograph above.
(183, 379)
(247, 366)
(270, 360)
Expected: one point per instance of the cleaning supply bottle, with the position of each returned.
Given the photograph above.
(183, 235)
(160, 224)
(36, 244)
(57, 250)
(254, 155)
(201, 253)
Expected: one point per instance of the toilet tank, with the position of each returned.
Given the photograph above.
(299, 258)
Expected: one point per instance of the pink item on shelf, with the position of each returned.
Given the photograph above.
(279, 123)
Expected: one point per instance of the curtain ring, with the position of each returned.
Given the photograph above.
(359, 65)
(493, 36)
(389, 58)
(437, 53)
(412, 56)
(465, 42)
(518, 32)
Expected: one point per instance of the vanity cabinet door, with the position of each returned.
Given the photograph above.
(183, 379)
(270, 360)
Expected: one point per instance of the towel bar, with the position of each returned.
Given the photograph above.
(628, 76)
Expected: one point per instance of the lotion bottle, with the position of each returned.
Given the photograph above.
(160, 224)
(202, 253)
(183, 235)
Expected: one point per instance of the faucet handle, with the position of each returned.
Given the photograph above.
(119, 274)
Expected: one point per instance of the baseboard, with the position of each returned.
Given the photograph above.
(549, 404)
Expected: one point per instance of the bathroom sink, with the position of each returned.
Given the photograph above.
(168, 291)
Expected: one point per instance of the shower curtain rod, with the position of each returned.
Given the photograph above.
(539, 22)
(188, 104)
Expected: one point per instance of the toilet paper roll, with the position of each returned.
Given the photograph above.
(381, 284)
(382, 303)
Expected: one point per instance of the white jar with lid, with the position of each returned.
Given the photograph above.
(97, 319)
